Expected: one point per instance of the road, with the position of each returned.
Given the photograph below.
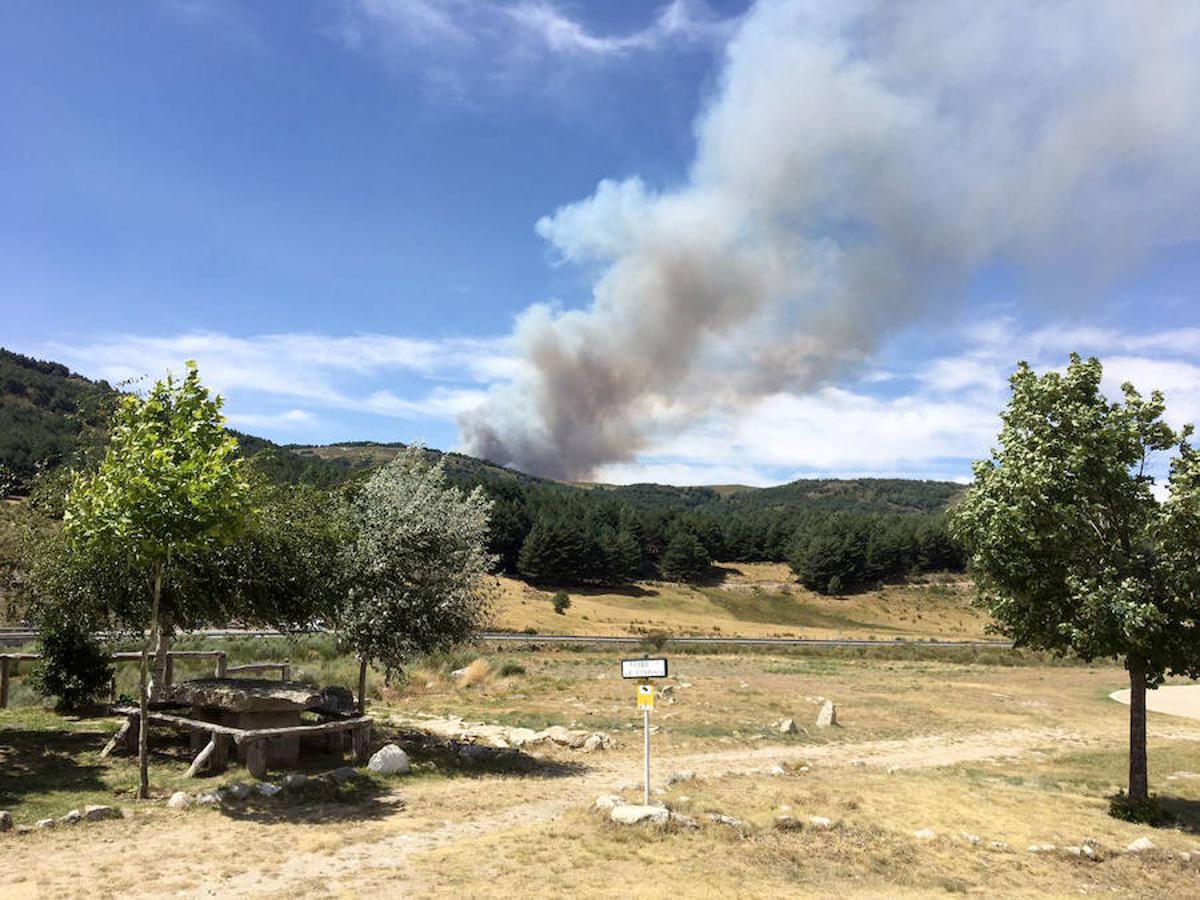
(12, 637)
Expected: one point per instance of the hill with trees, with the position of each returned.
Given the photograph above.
(838, 535)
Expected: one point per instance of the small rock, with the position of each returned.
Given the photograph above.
(636, 815)
(997, 845)
(787, 726)
(24, 829)
(208, 799)
(803, 769)
(47, 823)
(788, 823)
(683, 821)
(180, 800)
(343, 773)
(6, 822)
(71, 818)
(820, 822)
(925, 834)
(1041, 848)
(595, 742)
(609, 801)
(1142, 843)
(827, 716)
(100, 813)
(1089, 851)
(267, 790)
(390, 760)
(459, 673)
(235, 791)
(1073, 851)
(776, 771)
(294, 781)
(968, 837)
(725, 820)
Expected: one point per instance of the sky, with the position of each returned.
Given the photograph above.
(688, 242)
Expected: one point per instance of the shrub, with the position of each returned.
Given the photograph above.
(655, 640)
(1143, 812)
(509, 669)
(562, 602)
(74, 667)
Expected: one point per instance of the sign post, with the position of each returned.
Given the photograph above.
(643, 670)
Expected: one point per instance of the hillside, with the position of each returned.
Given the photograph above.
(45, 408)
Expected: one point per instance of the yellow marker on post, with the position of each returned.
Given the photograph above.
(645, 697)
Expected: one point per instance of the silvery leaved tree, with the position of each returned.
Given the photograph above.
(1071, 551)
(170, 485)
(417, 570)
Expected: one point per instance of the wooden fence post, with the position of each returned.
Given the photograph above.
(286, 671)
(221, 664)
(3, 681)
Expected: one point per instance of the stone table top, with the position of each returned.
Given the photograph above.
(247, 694)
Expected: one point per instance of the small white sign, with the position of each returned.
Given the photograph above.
(644, 668)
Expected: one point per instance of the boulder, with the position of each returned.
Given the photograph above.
(179, 800)
(46, 823)
(820, 822)
(6, 822)
(925, 834)
(294, 781)
(342, 774)
(71, 818)
(266, 789)
(595, 742)
(390, 760)
(609, 801)
(576, 740)
(788, 726)
(100, 813)
(519, 737)
(828, 715)
(1141, 844)
(235, 791)
(637, 815)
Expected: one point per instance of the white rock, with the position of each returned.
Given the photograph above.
(787, 726)
(180, 800)
(390, 760)
(71, 818)
(1089, 851)
(267, 790)
(235, 791)
(459, 673)
(925, 834)
(683, 821)
(595, 742)
(636, 815)
(1142, 843)
(99, 813)
(208, 799)
(776, 771)
(47, 823)
(827, 716)
(1041, 848)
(609, 801)
(968, 837)
(725, 820)
(820, 822)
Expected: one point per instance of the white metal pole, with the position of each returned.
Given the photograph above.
(646, 773)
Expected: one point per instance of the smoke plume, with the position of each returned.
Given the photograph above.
(858, 163)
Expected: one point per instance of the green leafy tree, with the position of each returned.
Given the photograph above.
(74, 667)
(418, 567)
(1070, 549)
(562, 602)
(170, 484)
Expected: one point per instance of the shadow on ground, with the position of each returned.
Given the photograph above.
(38, 761)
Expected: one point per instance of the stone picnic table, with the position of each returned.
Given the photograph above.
(259, 720)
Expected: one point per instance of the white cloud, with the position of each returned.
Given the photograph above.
(288, 419)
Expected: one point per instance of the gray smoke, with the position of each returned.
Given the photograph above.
(857, 164)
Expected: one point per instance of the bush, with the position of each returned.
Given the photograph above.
(655, 640)
(74, 668)
(509, 669)
(562, 602)
(1142, 812)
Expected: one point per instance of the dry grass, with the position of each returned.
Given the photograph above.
(753, 599)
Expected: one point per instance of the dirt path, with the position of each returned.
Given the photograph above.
(394, 852)
(1172, 700)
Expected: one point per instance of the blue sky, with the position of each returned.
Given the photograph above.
(369, 219)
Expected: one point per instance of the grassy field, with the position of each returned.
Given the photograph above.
(753, 599)
(1013, 755)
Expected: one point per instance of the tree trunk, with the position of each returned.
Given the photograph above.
(159, 678)
(1138, 779)
(143, 792)
(362, 686)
